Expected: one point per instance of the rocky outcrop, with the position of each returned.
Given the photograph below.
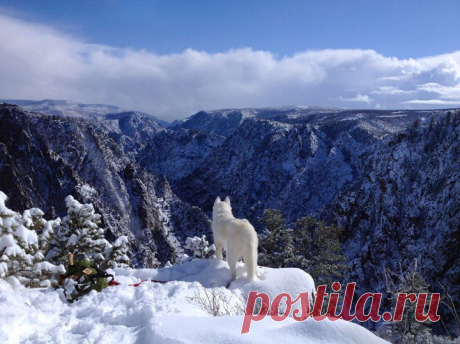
(45, 158)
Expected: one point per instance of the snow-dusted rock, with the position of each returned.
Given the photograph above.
(45, 158)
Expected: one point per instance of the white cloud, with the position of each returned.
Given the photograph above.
(445, 92)
(38, 62)
(391, 90)
(433, 102)
(358, 98)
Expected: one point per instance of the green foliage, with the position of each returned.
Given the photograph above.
(24, 241)
(276, 236)
(407, 282)
(80, 234)
(199, 248)
(119, 254)
(311, 246)
(328, 263)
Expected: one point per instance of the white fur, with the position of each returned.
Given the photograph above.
(237, 237)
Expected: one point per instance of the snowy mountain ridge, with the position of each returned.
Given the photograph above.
(224, 122)
(70, 108)
(352, 167)
(54, 107)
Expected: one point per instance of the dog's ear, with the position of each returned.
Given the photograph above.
(227, 200)
(217, 200)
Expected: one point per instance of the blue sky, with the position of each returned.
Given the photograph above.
(172, 58)
(394, 28)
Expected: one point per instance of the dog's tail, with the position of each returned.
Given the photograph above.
(250, 252)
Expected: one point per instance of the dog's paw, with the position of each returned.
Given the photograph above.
(229, 283)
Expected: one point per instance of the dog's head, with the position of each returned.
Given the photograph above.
(222, 206)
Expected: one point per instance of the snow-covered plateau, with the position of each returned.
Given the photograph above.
(167, 312)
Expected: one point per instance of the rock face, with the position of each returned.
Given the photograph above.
(177, 153)
(45, 158)
(294, 159)
(406, 206)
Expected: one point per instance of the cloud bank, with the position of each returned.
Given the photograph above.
(38, 62)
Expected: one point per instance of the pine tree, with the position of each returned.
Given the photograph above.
(151, 262)
(199, 248)
(407, 282)
(274, 223)
(305, 226)
(320, 248)
(80, 234)
(449, 118)
(119, 253)
(24, 241)
(276, 244)
(41, 271)
(432, 123)
(328, 262)
(415, 128)
(311, 246)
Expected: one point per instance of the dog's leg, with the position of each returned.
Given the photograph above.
(232, 258)
(224, 249)
(250, 261)
(219, 251)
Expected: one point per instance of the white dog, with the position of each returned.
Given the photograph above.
(237, 237)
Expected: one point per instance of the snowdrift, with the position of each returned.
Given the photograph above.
(163, 313)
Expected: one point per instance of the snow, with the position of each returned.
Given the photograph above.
(276, 281)
(22, 249)
(3, 266)
(65, 108)
(9, 247)
(120, 241)
(29, 214)
(392, 116)
(161, 313)
(26, 235)
(87, 191)
(226, 330)
(208, 272)
(3, 209)
(48, 267)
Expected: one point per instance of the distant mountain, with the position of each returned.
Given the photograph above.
(63, 107)
(69, 108)
(225, 122)
(296, 159)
